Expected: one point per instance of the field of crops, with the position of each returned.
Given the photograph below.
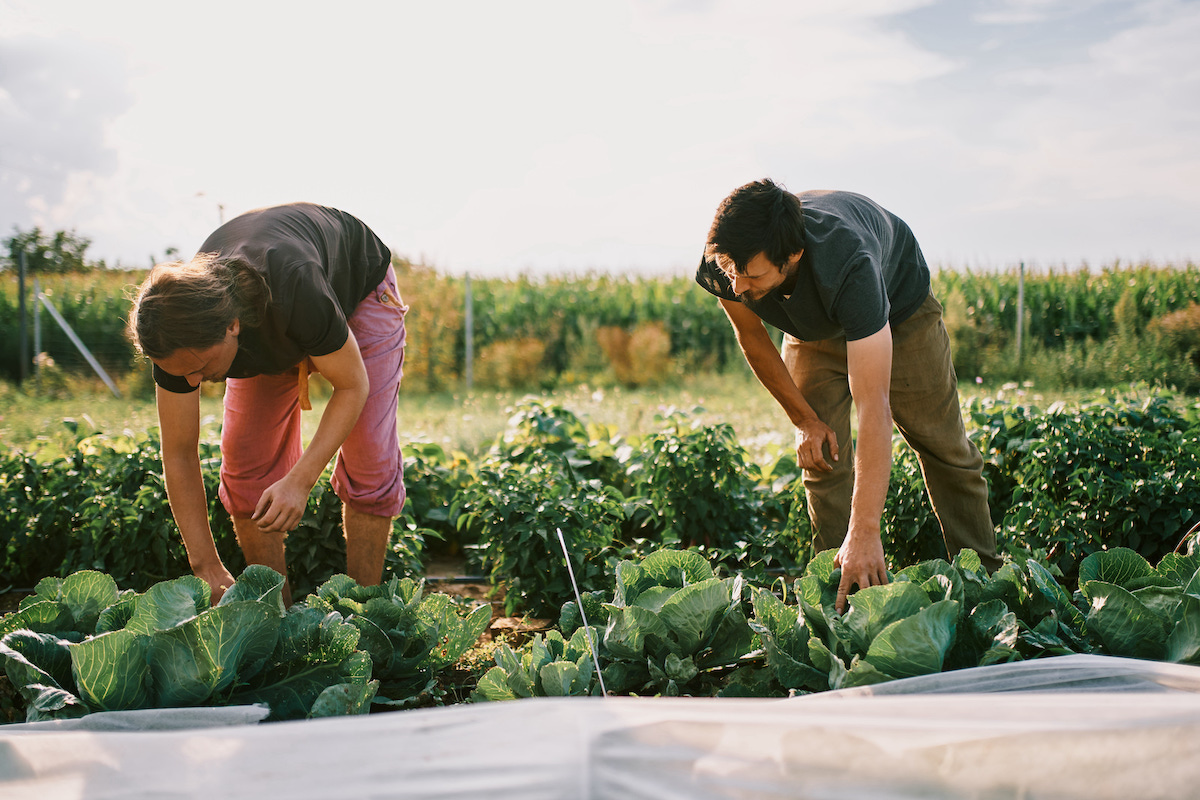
(692, 559)
(1082, 327)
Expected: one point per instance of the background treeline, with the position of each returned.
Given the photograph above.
(1082, 327)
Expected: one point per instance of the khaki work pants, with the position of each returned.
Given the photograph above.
(926, 411)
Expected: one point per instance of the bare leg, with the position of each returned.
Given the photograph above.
(263, 548)
(367, 538)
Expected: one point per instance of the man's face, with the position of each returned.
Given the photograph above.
(761, 276)
(209, 364)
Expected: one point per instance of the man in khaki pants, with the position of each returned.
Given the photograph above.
(845, 280)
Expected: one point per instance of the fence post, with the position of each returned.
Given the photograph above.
(37, 327)
(1021, 321)
(22, 334)
(469, 333)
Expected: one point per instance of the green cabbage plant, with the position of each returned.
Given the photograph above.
(78, 645)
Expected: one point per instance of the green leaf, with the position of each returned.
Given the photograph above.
(916, 645)
(676, 568)
(993, 623)
(205, 655)
(257, 582)
(46, 657)
(1124, 625)
(117, 616)
(875, 607)
(822, 567)
(165, 605)
(86, 594)
(969, 561)
(1163, 601)
(693, 613)
(828, 662)
(654, 597)
(494, 686)
(306, 634)
(1006, 584)
(863, 673)
(1048, 636)
(560, 679)
(785, 640)
(679, 670)
(629, 630)
(1183, 643)
(1051, 594)
(374, 640)
(344, 700)
(1119, 566)
(44, 616)
(622, 677)
(1178, 568)
(1193, 586)
(314, 650)
(111, 672)
(455, 634)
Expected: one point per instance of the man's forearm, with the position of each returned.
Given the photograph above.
(767, 365)
(872, 470)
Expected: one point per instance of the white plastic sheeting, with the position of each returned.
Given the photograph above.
(1067, 727)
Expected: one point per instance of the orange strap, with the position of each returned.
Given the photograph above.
(302, 386)
(389, 298)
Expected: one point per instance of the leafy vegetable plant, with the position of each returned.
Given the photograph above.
(410, 636)
(79, 645)
(518, 509)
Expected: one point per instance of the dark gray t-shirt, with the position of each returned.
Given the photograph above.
(319, 262)
(861, 269)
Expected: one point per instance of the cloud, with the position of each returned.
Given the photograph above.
(57, 99)
(546, 135)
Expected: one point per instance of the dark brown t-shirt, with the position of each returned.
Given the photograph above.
(319, 262)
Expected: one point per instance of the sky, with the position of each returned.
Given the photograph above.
(562, 137)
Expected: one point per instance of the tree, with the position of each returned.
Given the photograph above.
(60, 253)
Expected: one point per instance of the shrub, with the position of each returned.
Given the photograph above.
(704, 493)
(1107, 475)
(518, 508)
(641, 357)
(511, 363)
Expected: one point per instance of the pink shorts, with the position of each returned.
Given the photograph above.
(260, 436)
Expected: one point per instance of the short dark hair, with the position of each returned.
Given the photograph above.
(759, 217)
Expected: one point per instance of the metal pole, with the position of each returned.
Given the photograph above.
(1020, 320)
(587, 629)
(79, 345)
(469, 367)
(37, 327)
(22, 335)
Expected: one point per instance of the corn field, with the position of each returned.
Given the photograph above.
(560, 330)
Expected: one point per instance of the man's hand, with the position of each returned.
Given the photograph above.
(281, 506)
(811, 439)
(218, 579)
(862, 563)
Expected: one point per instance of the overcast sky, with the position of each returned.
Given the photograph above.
(556, 136)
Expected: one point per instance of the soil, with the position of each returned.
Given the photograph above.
(445, 575)
(10, 600)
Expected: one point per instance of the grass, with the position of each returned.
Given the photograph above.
(461, 421)
(466, 422)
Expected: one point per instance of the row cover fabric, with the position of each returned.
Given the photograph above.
(1067, 727)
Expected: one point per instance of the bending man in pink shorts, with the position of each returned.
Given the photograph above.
(271, 295)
